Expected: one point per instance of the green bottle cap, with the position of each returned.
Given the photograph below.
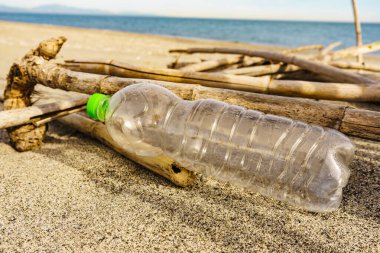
(97, 106)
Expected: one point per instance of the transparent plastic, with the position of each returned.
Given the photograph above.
(302, 164)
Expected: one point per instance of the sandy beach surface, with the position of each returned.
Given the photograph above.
(77, 195)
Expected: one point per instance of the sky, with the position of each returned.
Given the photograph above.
(324, 10)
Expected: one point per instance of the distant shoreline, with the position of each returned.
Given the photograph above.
(189, 18)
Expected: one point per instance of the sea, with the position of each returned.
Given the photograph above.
(284, 33)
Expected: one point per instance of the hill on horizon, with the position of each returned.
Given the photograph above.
(62, 9)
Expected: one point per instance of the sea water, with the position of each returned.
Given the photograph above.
(285, 33)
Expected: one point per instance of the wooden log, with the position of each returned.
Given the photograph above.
(363, 123)
(312, 66)
(310, 111)
(162, 165)
(19, 89)
(211, 64)
(262, 70)
(37, 113)
(356, 65)
(358, 29)
(332, 91)
(302, 49)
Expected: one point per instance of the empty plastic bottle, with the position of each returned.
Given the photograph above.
(302, 164)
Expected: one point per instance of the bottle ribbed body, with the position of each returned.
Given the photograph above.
(302, 164)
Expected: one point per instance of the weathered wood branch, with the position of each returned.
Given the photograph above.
(281, 68)
(312, 66)
(161, 165)
(263, 70)
(355, 51)
(356, 65)
(302, 49)
(318, 90)
(212, 64)
(37, 114)
(245, 61)
(19, 89)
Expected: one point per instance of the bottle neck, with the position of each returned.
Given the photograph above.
(102, 108)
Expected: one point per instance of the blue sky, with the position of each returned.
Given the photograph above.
(326, 10)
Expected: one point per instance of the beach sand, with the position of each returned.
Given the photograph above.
(77, 195)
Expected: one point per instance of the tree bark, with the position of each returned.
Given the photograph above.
(19, 89)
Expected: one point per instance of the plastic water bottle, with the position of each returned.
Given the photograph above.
(302, 164)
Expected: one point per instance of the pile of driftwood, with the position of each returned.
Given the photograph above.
(310, 84)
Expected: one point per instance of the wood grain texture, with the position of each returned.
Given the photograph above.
(19, 88)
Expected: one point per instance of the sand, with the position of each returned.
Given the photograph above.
(76, 195)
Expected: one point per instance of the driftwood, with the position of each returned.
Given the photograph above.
(19, 89)
(245, 61)
(325, 114)
(281, 68)
(263, 70)
(358, 29)
(299, 75)
(302, 49)
(355, 51)
(356, 65)
(211, 64)
(39, 114)
(312, 66)
(318, 90)
(162, 165)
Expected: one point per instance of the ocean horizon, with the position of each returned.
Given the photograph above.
(272, 32)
